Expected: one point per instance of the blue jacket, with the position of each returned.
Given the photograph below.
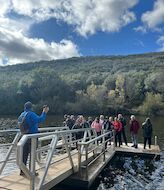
(33, 120)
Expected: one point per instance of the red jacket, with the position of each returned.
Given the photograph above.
(134, 126)
(117, 126)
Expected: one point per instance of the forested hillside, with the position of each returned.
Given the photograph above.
(86, 85)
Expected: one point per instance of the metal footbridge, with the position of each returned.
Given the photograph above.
(56, 155)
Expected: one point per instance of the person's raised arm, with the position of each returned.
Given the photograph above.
(37, 119)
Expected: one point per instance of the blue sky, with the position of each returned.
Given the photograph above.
(57, 29)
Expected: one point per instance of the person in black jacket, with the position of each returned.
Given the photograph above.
(147, 132)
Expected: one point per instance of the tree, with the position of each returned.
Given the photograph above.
(154, 82)
(152, 105)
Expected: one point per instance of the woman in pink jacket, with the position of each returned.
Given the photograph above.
(97, 126)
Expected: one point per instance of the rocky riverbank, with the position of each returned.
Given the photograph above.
(8, 123)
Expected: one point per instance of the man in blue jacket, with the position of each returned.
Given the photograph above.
(32, 121)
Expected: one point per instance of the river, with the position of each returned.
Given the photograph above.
(123, 173)
(135, 173)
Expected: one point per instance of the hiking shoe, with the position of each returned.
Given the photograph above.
(22, 173)
(36, 174)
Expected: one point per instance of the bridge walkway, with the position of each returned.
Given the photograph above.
(56, 155)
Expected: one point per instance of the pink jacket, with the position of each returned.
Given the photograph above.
(97, 126)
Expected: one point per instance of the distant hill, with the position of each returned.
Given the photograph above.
(86, 85)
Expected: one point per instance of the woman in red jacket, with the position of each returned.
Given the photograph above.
(117, 127)
(134, 127)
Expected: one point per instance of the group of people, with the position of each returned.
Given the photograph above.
(118, 123)
(29, 121)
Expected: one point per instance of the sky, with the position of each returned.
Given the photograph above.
(34, 30)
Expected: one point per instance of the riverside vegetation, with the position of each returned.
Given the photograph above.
(87, 85)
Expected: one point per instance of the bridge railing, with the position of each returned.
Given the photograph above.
(55, 141)
(100, 144)
(9, 146)
(15, 137)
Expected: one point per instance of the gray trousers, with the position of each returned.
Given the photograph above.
(134, 139)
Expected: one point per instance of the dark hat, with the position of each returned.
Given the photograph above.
(28, 105)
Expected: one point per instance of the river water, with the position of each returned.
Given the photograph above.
(135, 173)
(122, 173)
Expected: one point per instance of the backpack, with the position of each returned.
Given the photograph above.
(22, 123)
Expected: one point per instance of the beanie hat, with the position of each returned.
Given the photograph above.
(28, 105)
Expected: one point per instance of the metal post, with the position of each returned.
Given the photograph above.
(89, 134)
(68, 152)
(83, 140)
(155, 141)
(113, 132)
(70, 137)
(32, 165)
(38, 157)
(104, 155)
(94, 132)
(86, 160)
(49, 158)
(79, 158)
(104, 148)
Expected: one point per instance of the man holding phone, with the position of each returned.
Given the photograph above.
(31, 120)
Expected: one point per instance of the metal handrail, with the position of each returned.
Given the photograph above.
(15, 141)
(40, 129)
(53, 137)
(9, 130)
(87, 163)
(52, 128)
(11, 146)
(96, 138)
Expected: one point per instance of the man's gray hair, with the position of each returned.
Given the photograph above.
(132, 117)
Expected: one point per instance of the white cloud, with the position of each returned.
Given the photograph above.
(141, 29)
(5, 7)
(154, 18)
(15, 44)
(20, 49)
(11, 24)
(87, 17)
(15, 25)
(160, 41)
(105, 15)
